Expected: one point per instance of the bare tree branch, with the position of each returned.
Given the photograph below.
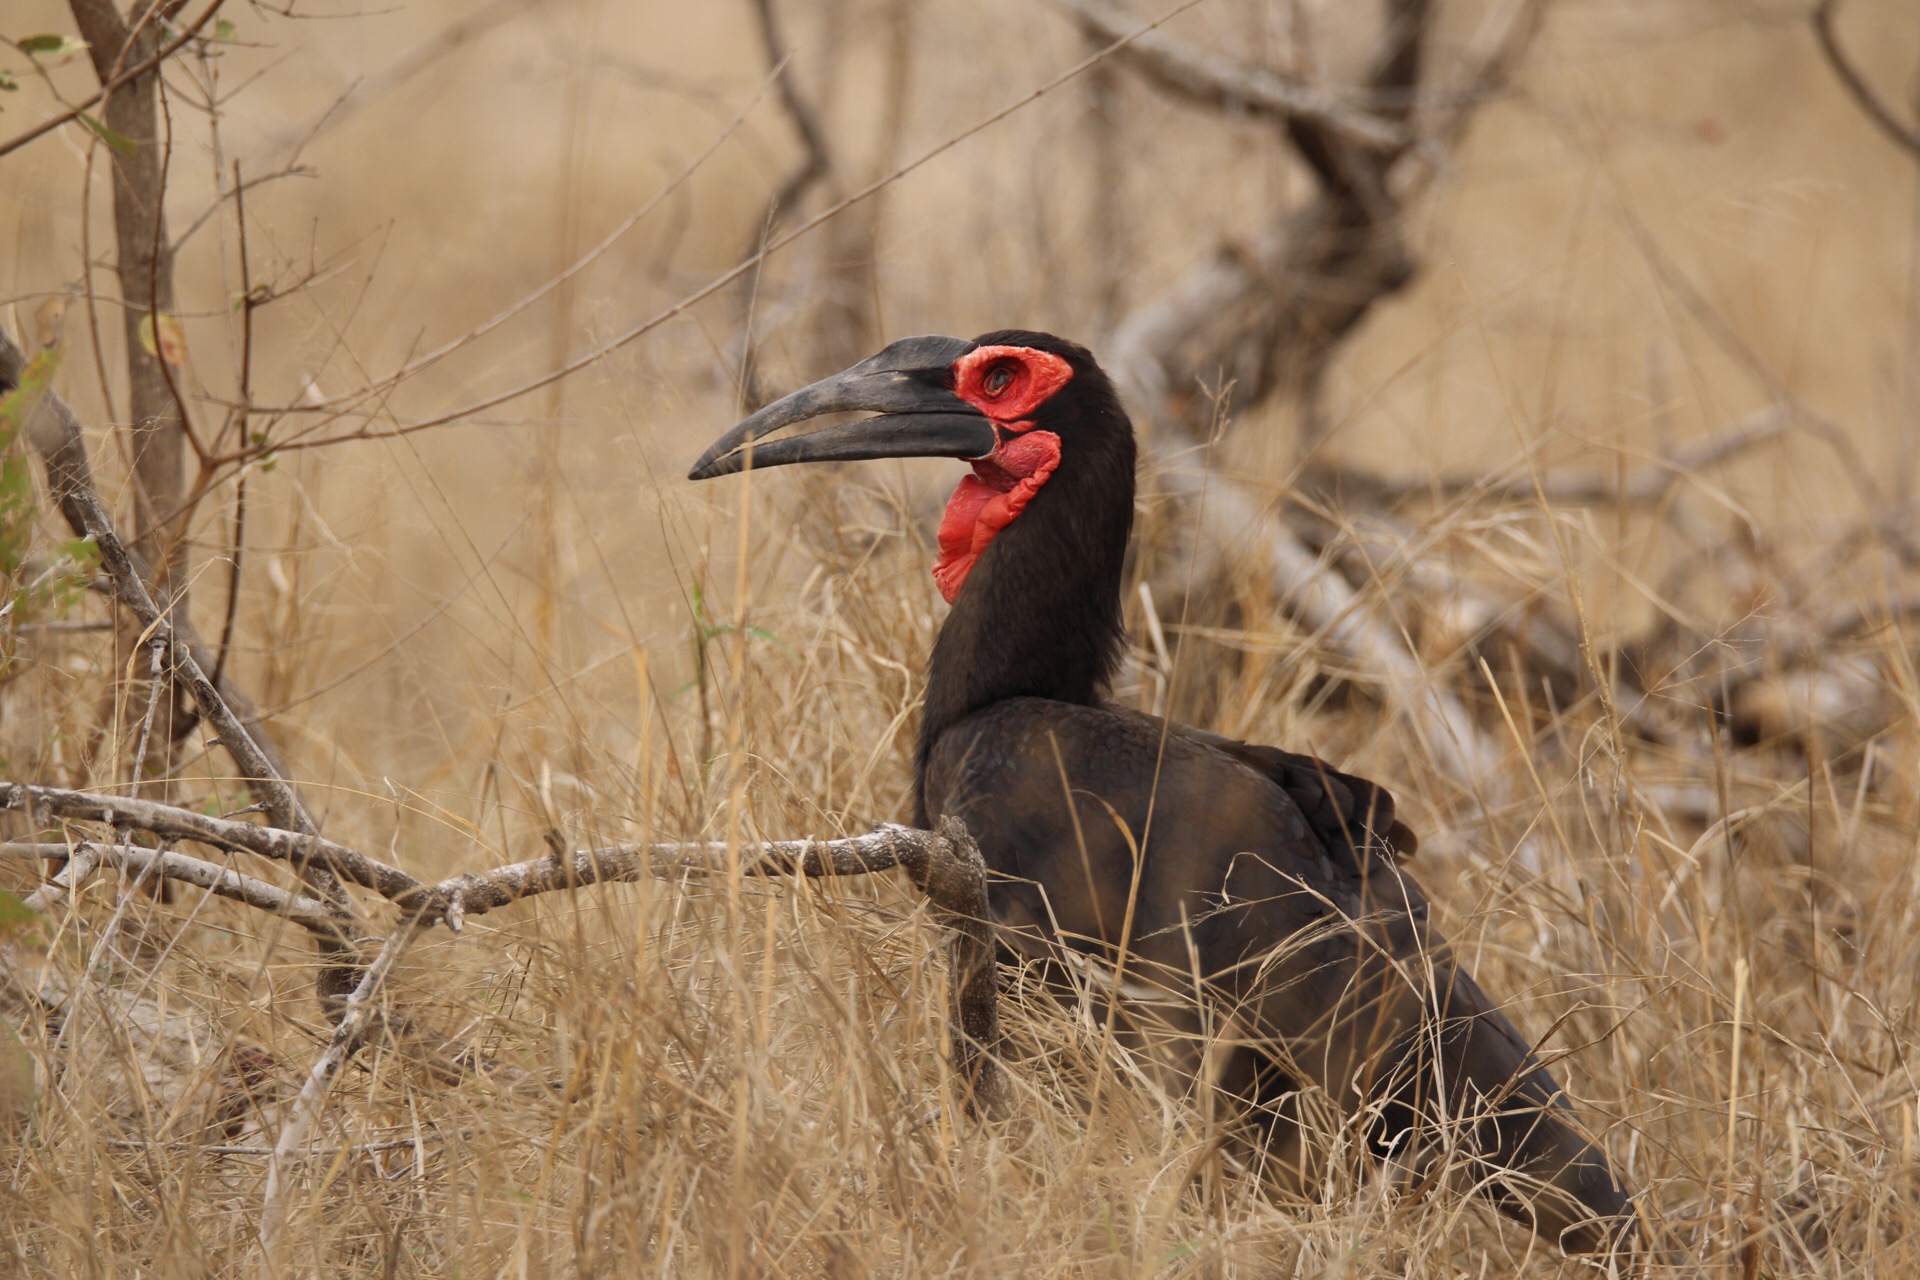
(1644, 485)
(305, 850)
(83, 860)
(1194, 76)
(312, 914)
(813, 166)
(1825, 17)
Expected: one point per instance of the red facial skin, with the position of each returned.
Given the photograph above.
(1007, 384)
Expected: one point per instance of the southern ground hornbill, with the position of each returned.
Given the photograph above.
(1268, 880)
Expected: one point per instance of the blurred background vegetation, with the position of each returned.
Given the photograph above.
(521, 619)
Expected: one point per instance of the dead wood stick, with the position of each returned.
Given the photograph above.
(83, 860)
(305, 852)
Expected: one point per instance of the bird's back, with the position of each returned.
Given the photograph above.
(1268, 880)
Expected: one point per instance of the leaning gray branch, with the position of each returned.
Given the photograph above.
(1198, 77)
(54, 432)
(1229, 514)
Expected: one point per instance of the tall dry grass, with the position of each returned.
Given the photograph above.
(476, 635)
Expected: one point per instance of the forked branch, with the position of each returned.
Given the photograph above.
(945, 865)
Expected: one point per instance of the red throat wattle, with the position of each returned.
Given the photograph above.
(987, 501)
(1007, 384)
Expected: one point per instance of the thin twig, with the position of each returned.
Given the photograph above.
(356, 1017)
(602, 350)
(160, 55)
(1824, 26)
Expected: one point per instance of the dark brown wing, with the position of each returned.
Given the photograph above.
(1348, 813)
(1265, 877)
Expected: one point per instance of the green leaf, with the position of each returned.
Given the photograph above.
(7, 83)
(16, 404)
(223, 31)
(15, 913)
(123, 145)
(49, 44)
(1174, 1255)
(84, 552)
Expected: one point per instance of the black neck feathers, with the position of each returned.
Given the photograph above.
(1039, 615)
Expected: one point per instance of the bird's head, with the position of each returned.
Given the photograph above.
(1019, 406)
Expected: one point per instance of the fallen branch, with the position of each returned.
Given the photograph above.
(1229, 513)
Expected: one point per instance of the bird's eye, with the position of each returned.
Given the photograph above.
(997, 380)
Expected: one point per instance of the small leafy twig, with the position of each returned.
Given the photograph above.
(79, 110)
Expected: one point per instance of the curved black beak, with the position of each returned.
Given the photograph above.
(907, 384)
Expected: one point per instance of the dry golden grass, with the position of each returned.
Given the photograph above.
(477, 634)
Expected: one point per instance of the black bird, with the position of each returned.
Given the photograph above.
(1269, 879)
